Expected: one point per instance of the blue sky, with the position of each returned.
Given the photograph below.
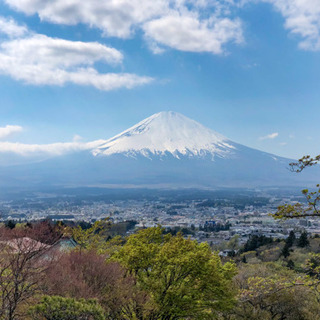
(74, 72)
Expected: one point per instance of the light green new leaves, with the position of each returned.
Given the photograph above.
(55, 307)
(183, 278)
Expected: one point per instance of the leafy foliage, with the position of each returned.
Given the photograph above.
(55, 307)
(298, 210)
(93, 237)
(270, 291)
(304, 162)
(255, 241)
(183, 278)
(153, 275)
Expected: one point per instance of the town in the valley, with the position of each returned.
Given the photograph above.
(212, 216)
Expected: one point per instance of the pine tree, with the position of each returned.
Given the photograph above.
(285, 251)
(10, 224)
(291, 239)
(303, 240)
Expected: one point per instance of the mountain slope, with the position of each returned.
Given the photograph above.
(166, 149)
(167, 132)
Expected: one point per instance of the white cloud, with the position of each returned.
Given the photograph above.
(187, 25)
(270, 136)
(41, 60)
(10, 28)
(9, 130)
(53, 52)
(114, 17)
(44, 150)
(17, 152)
(188, 33)
(302, 18)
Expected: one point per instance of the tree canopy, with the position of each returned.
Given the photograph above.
(55, 307)
(183, 278)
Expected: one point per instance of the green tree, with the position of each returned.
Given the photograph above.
(93, 237)
(300, 210)
(303, 240)
(10, 224)
(285, 251)
(233, 243)
(184, 279)
(55, 307)
(291, 239)
(288, 244)
(273, 292)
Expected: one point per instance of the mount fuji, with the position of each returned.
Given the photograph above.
(167, 133)
(166, 149)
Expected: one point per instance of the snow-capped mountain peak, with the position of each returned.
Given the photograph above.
(184, 153)
(167, 132)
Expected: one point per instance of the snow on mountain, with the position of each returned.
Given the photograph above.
(184, 153)
(167, 132)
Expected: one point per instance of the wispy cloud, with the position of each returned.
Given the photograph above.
(9, 130)
(302, 18)
(41, 60)
(270, 136)
(53, 149)
(36, 152)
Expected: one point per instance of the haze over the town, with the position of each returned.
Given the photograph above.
(73, 73)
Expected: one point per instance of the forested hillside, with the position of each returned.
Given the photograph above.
(53, 271)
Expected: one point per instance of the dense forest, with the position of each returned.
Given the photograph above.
(55, 271)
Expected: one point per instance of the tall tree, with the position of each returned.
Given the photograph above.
(93, 237)
(23, 261)
(291, 239)
(285, 251)
(303, 240)
(184, 279)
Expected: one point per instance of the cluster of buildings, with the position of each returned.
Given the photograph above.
(200, 221)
